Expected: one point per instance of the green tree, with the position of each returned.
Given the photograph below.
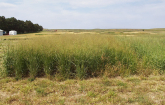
(12, 24)
(2, 23)
(20, 26)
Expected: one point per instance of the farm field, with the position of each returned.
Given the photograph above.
(111, 66)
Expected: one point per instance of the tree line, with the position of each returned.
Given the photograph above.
(8, 24)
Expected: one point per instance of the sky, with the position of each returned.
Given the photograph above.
(88, 14)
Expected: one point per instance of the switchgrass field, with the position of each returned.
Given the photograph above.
(112, 66)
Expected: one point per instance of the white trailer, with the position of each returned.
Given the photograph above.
(12, 32)
(1, 32)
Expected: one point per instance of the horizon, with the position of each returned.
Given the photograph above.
(102, 28)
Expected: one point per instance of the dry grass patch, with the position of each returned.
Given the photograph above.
(104, 90)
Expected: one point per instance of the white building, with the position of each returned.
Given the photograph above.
(12, 32)
(1, 32)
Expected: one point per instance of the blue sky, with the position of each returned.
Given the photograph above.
(87, 14)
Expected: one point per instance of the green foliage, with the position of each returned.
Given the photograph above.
(149, 51)
(41, 92)
(20, 26)
(119, 83)
(9, 62)
(74, 56)
(91, 94)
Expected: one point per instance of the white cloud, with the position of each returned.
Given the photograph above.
(96, 3)
(6, 5)
(88, 13)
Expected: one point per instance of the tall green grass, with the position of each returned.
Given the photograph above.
(149, 49)
(84, 56)
(67, 56)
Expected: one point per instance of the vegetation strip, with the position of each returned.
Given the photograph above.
(98, 68)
